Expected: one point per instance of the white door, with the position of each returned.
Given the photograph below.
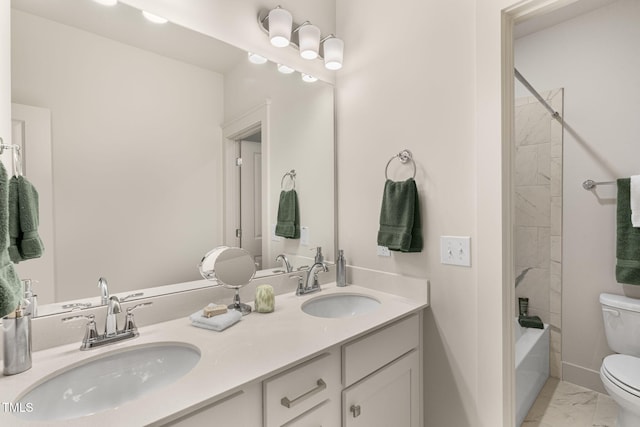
(31, 130)
(251, 199)
(387, 398)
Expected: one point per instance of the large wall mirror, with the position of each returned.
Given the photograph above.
(125, 124)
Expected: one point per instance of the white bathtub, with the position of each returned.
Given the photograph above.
(532, 366)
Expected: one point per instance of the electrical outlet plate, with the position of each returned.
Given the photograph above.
(455, 250)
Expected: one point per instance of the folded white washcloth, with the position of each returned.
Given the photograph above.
(635, 200)
(216, 323)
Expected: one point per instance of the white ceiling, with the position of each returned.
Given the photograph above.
(126, 24)
(558, 16)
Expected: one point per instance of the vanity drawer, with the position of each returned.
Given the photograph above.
(371, 352)
(301, 388)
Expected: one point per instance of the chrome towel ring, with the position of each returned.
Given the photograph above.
(292, 176)
(404, 156)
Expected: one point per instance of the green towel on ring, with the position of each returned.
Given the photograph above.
(288, 224)
(10, 286)
(25, 242)
(400, 228)
(627, 238)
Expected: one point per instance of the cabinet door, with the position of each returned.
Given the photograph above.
(389, 397)
(242, 409)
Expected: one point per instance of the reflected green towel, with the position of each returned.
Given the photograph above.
(25, 243)
(400, 228)
(288, 215)
(10, 287)
(627, 239)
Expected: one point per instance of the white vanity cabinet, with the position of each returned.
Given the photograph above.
(372, 381)
(305, 395)
(240, 409)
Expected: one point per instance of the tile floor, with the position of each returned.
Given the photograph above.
(562, 404)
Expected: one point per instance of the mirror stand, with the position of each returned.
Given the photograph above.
(237, 305)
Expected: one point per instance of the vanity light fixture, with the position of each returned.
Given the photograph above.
(107, 2)
(308, 78)
(280, 22)
(285, 69)
(333, 52)
(154, 18)
(254, 58)
(306, 37)
(309, 37)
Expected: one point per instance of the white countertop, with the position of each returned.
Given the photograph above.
(251, 350)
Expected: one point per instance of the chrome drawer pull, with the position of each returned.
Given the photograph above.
(291, 403)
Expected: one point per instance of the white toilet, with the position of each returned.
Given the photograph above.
(620, 373)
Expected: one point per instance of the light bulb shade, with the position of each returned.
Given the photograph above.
(333, 53)
(280, 22)
(107, 2)
(154, 18)
(309, 38)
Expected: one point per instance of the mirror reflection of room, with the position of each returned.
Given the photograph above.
(133, 184)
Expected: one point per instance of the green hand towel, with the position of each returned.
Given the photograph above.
(14, 221)
(400, 228)
(288, 224)
(30, 245)
(628, 238)
(10, 287)
(25, 243)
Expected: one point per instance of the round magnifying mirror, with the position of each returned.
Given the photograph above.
(232, 268)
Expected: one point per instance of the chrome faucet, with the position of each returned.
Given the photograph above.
(111, 324)
(310, 284)
(104, 291)
(285, 262)
(111, 334)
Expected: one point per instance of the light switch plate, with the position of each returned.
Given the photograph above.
(383, 251)
(455, 250)
(304, 235)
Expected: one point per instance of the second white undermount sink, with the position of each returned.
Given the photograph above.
(340, 305)
(108, 381)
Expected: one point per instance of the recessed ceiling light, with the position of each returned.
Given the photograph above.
(285, 69)
(309, 78)
(154, 18)
(254, 58)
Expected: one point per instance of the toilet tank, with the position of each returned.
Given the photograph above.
(621, 323)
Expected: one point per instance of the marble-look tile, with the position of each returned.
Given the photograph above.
(561, 404)
(532, 124)
(555, 364)
(555, 301)
(555, 248)
(544, 164)
(555, 343)
(535, 286)
(555, 320)
(556, 216)
(555, 168)
(533, 207)
(544, 247)
(526, 165)
(526, 246)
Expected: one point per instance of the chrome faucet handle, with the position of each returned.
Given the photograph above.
(129, 323)
(136, 295)
(300, 287)
(91, 331)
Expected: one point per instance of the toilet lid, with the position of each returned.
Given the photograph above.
(624, 371)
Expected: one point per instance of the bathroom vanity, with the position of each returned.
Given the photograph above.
(286, 368)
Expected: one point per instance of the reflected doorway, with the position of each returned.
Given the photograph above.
(250, 176)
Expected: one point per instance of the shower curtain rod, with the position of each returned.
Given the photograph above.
(530, 88)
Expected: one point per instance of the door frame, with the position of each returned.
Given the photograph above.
(512, 15)
(233, 130)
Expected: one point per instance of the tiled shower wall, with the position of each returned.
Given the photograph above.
(538, 216)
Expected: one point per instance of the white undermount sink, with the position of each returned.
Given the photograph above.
(340, 305)
(108, 381)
